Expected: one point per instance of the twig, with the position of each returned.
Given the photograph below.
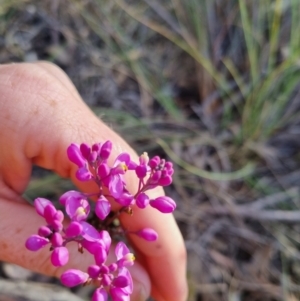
(264, 215)
(273, 199)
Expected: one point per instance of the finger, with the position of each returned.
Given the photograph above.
(58, 120)
(12, 245)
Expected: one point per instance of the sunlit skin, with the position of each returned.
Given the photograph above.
(41, 114)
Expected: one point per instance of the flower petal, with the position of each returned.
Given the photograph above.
(100, 294)
(121, 250)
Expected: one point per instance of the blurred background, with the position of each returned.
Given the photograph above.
(214, 86)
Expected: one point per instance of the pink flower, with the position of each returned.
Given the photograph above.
(115, 181)
(102, 208)
(124, 257)
(77, 208)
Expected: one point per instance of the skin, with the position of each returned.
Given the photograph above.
(41, 113)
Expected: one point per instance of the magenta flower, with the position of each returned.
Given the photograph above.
(115, 181)
(94, 239)
(115, 278)
(77, 208)
(70, 194)
(102, 208)
(92, 164)
(124, 257)
(122, 293)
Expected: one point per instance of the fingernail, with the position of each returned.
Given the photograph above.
(139, 293)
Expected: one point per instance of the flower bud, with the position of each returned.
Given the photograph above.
(142, 200)
(168, 165)
(141, 171)
(163, 204)
(75, 155)
(106, 280)
(155, 177)
(165, 181)
(74, 229)
(94, 271)
(83, 174)
(144, 159)
(60, 256)
(36, 242)
(120, 281)
(93, 156)
(56, 240)
(103, 170)
(59, 216)
(105, 150)
(147, 234)
(112, 267)
(44, 231)
(40, 204)
(100, 294)
(73, 277)
(100, 256)
(49, 213)
(96, 147)
(85, 150)
(57, 225)
(104, 269)
(154, 162)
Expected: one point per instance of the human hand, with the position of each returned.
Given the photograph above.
(41, 114)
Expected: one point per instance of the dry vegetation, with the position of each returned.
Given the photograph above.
(213, 85)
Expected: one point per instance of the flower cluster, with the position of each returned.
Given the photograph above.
(93, 225)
